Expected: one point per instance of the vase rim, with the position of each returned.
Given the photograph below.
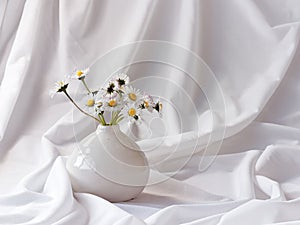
(108, 127)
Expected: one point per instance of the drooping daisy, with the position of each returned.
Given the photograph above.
(59, 86)
(132, 95)
(80, 74)
(99, 106)
(100, 98)
(132, 113)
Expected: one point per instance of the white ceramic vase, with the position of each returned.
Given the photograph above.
(109, 164)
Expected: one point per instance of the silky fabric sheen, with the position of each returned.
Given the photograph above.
(251, 46)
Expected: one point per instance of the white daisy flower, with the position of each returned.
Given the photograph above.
(59, 86)
(80, 74)
(132, 113)
(113, 104)
(111, 89)
(99, 101)
(132, 95)
(88, 103)
(99, 106)
(158, 107)
(147, 103)
(121, 80)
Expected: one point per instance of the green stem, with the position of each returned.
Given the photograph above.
(85, 113)
(120, 118)
(101, 116)
(114, 117)
(85, 85)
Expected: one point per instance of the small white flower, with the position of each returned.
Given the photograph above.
(99, 106)
(88, 103)
(59, 86)
(132, 113)
(113, 103)
(121, 80)
(158, 107)
(147, 103)
(99, 101)
(132, 95)
(80, 74)
(111, 89)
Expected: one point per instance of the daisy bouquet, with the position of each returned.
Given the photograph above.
(109, 105)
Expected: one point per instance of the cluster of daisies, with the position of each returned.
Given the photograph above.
(116, 101)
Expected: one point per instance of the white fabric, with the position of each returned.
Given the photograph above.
(252, 46)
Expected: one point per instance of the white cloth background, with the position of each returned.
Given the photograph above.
(252, 46)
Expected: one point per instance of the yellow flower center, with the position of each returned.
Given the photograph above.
(79, 73)
(146, 104)
(131, 112)
(132, 96)
(61, 83)
(90, 102)
(112, 103)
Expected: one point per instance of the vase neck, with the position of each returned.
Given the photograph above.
(107, 129)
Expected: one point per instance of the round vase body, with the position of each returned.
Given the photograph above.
(109, 164)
